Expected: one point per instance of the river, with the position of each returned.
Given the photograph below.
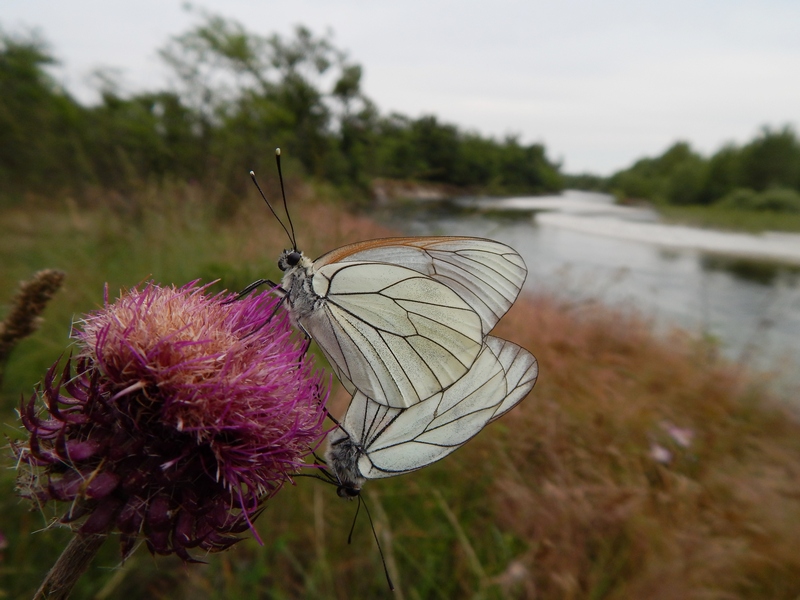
(742, 290)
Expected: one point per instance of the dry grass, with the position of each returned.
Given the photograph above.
(580, 482)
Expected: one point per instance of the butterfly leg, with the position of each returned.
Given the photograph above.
(318, 460)
(332, 418)
(307, 341)
(256, 284)
(269, 318)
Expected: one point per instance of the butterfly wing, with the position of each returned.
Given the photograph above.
(486, 274)
(394, 441)
(521, 369)
(390, 332)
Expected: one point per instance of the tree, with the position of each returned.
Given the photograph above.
(237, 96)
(39, 122)
(295, 92)
(771, 160)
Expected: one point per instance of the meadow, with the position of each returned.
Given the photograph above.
(642, 465)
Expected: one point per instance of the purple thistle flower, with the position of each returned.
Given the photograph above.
(184, 415)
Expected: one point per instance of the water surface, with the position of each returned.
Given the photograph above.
(741, 289)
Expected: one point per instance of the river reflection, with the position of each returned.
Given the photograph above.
(759, 271)
(752, 306)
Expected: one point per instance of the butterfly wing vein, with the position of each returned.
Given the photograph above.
(393, 334)
(488, 275)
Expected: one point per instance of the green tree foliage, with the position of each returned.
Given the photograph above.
(723, 173)
(771, 160)
(238, 95)
(585, 181)
(428, 150)
(149, 135)
(782, 200)
(255, 92)
(39, 122)
(762, 175)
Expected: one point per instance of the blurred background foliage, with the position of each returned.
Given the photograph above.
(762, 175)
(237, 95)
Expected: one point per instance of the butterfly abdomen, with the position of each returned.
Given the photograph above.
(342, 457)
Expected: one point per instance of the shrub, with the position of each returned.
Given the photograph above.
(739, 199)
(780, 200)
(687, 181)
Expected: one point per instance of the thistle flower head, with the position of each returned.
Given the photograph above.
(185, 412)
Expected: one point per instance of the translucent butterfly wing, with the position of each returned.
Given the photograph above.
(488, 275)
(390, 332)
(521, 371)
(394, 441)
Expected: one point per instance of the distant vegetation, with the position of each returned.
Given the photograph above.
(761, 176)
(238, 96)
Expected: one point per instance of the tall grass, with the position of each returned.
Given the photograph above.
(639, 467)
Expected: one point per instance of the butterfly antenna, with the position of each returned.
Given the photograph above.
(375, 535)
(283, 193)
(353, 525)
(317, 477)
(272, 210)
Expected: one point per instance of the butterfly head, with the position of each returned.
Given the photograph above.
(291, 259)
(344, 491)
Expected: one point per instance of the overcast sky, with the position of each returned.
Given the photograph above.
(599, 83)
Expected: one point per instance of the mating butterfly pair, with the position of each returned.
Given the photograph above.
(404, 323)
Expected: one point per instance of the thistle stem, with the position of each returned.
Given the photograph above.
(69, 567)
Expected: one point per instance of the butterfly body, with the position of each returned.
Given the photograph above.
(342, 458)
(297, 287)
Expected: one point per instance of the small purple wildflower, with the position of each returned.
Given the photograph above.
(683, 436)
(660, 454)
(184, 415)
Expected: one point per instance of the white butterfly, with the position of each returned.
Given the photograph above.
(401, 319)
(375, 441)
